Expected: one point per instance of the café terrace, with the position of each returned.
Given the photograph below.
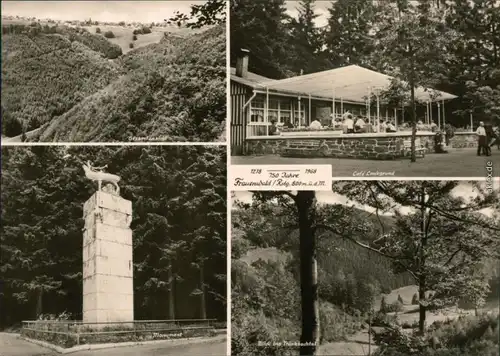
(257, 102)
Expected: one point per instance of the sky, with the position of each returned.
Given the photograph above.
(321, 9)
(104, 11)
(464, 190)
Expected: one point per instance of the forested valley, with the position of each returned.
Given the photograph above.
(379, 279)
(70, 83)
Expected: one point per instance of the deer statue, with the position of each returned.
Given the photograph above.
(97, 174)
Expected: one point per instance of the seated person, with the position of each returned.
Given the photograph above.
(359, 125)
(434, 127)
(390, 127)
(383, 126)
(315, 125)
(273, 129)
(288, 124)
(349, 123)
(334, 120)
(420, 125)
(439, 143)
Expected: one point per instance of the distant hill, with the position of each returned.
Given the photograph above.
(75, 85)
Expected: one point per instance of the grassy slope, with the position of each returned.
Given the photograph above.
(185, 81)
(123, 35)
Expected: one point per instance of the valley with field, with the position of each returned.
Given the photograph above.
(362, 278)
(108, 82)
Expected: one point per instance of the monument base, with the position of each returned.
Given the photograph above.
(108, 293)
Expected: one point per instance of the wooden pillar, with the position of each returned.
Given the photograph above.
(310, 118)
(369, 104)
(333, 105)
(267, 112)
(444, 116)
(395, 118)
(378, 113)
(300, 113)
(427, 113)
(430, 110)
(439, 114)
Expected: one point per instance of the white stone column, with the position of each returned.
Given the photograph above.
(108, 292)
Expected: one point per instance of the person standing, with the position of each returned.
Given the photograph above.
(481, 139)
(449, 133)
(490, 138)
(496, 137)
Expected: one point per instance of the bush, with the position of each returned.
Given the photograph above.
(471, 336)
(134, 37)
(383, 320)
(11, 126)
(109, 34)
(414, 299)
(408, 325)
(130, 45)
(98, 30)
(146, 30)
(390, 308)
(137, 32)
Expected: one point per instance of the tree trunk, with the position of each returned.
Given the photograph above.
(422, 309)
(413, 113)
(310, 337)
(171, 294)
(39, 303)
(202, 295)
(421, 278)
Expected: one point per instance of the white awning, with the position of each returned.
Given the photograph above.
(350, 83)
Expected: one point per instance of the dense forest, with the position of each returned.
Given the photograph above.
(179, 267)
(452, 46)
(77, 86)
(328, 267)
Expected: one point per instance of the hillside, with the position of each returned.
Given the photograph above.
(172, 93)
(45, 75)
(75, 85)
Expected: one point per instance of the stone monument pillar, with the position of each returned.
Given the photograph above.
(108, 294)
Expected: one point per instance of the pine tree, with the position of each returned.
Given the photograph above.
(348, 37)
(383, 305)
(306, 41)
(261, 27)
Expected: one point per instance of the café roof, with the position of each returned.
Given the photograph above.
(351, 83)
